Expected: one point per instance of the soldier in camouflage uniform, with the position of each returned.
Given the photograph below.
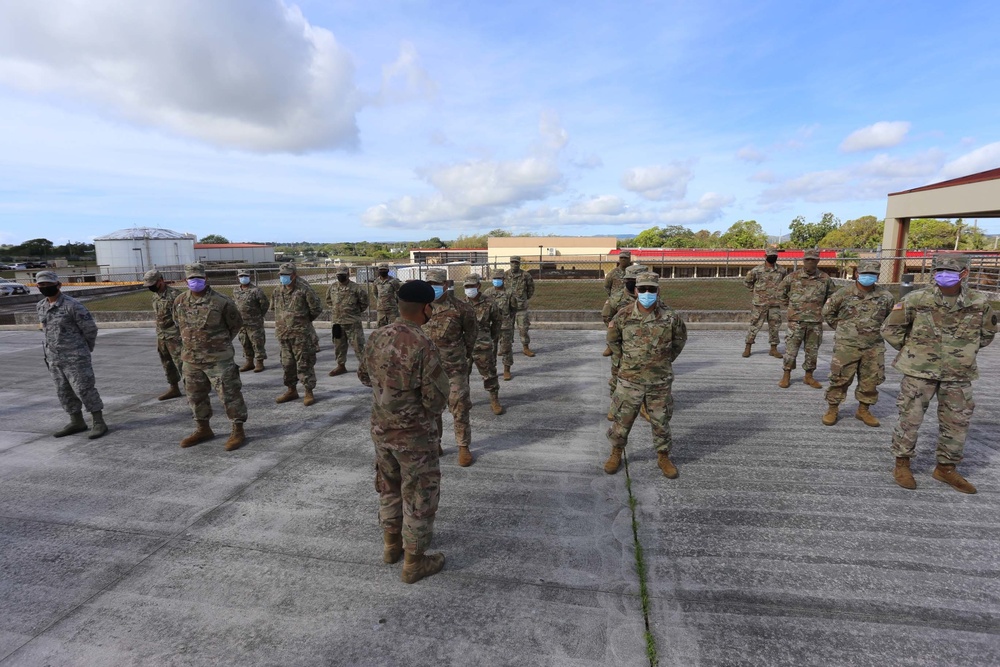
(208, 322)
(253, 305)
(488, 323)
(765, 282)
(506, 303)
(452, 327)
(409, 391)
(384, 289)
(296, 307)
(938, 332)
(856, 312)
(804, 292)
(522, 286)
(168, 336)
(614, 282)
(622, 299)
(645, 339)
(70, 334)
(348, 303)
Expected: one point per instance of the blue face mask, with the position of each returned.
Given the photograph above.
(497, 282)
(196, 284)
(867, 279)
(244, 280)
(438, 292)
(285, 280)
(647, 299)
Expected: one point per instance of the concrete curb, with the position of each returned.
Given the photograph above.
(542, 326)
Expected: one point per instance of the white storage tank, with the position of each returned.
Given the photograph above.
(128, 253)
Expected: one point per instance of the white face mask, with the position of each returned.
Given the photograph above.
(472, 292)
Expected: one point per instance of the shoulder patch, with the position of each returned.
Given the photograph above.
(898, 306)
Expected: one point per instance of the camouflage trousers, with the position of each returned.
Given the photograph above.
(353, 334)
(253, 339)
(224, 376)
(954, 412)
(459, 404)
(386, 317)
(76, 386)
(169, 350)
(523, 319)
(625, 404)
(409, 486)
(505, 349)
(298, 361)
(759, 315)
(848, 360)
(486, 362)
(811, 333)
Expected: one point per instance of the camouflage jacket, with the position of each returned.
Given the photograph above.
(506, 304)
(857, 315)
(614, 303)
(614, 281)
(295, 308)
(347, 302)
(208, 325)
(488, 321)
(644, 345)
(409, 386)
(163, 306)
(938, 341)
(521, 285)
(384, 290)
(252, 304)
(805, 295)
(70, 330)
(766, 284)
(452, 327)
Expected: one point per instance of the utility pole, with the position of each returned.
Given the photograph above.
(958, 232)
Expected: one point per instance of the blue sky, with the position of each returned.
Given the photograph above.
(341, 120)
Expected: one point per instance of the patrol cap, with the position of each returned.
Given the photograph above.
(342, 270)
(472, 279)
(516, 259)
(625, 253)
(437, 276)
(151, 277)
(647, 279)
(243, 272)
(383, 265)
(415, 291)
(46, 277)
(632, 272)
(771, 250)
(497, 273)
(870, 266)
(949, 262)
(286, 269)
(811, 253)
(195, 270)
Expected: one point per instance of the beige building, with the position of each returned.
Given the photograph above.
(558, 250)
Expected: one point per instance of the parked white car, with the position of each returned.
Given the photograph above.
(10, 288)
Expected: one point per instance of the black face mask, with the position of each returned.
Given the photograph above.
(153, 288)
(771, 259)
(49, 290)
(342, 278)
(383, 274)
(630, 286)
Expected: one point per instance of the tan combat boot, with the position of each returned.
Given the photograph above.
(527, 351)
(786, 380)
(173, 392)
(746, 350)
(832, 414)
(865, 415)
(339, 370)
(774, 352)
(607, 351)
(290, 395)
(614, 461)
(811, 381)
(946, 473)
(393, 549)
(308, 399)
(506, 372)
(247, 366)
(236, 437)
(416, 567)
(665, 465)
(464, 457)
(495, 403)
(202, 432)
(75, 425)
(100, 428)
(902, 473)
(258, 366)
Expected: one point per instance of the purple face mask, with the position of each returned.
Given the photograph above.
(947, 278)
(196, 284)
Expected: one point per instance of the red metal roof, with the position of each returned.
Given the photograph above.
(693, 253)
(204, 246)
(990, 175)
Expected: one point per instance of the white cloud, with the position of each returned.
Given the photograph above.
(592, 161)
(247, 74)
(405, 79)
(764, 176)
(600, 205)
(750, 154)
(658, 183)
(884, 134)
(982, 159)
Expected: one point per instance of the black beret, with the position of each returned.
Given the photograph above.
(416, 291)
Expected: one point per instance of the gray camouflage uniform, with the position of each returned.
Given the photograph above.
(70, 334)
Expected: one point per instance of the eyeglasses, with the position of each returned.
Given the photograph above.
(646, 288)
